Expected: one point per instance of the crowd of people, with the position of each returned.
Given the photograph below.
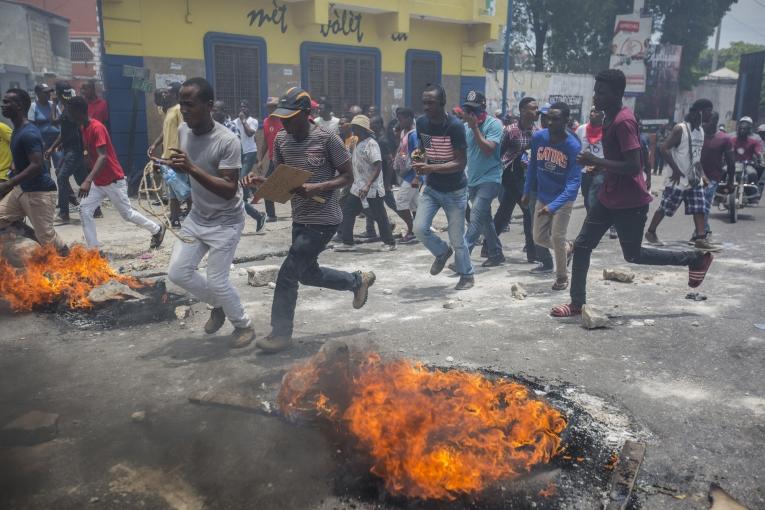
(464, 161)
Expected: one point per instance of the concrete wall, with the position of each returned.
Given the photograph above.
(576, 87)
(721, 93)
(14, 44)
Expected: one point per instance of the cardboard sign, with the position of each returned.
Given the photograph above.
(278, 187)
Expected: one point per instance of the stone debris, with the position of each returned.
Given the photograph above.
(15, 247)
(618, 275)
(113, 291)
(30, 429)
(696, 296)
(518, 292)
(649, 322)
(261, 276)
(138, 417)
(271, 285)
(387, 292)
(451, 305)
(592, 318)
(450, 359)
(182, 312)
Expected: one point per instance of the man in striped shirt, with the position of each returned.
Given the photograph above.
(316, 214)
(442, 139)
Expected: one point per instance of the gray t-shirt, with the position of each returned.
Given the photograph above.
(216, 150)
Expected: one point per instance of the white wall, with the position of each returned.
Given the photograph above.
(577, 87)
(721, 93)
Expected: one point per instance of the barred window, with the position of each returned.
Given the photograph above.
(422, 69)
(345, 79)
(81, 52)
(237, 77)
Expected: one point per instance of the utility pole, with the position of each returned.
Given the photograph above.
(508, 28)
(716, 53)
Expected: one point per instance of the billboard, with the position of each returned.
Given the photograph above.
(662, 78)
(629, 49)
(749, 86)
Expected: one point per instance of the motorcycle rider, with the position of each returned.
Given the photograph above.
(748, 149)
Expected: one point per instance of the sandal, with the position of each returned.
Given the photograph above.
(698, 271)
(562, 311)
(560, 284)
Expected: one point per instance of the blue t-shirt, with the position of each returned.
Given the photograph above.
(553, 171)
(411, 144)
(439, 141)
(41, 115)
(483, 168)
(26, 141)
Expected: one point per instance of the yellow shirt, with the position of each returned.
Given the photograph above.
(5, 151)
(173, 119)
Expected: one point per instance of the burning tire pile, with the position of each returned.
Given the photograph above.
(414, 436)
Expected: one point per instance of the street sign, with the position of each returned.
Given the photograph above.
(142, 84)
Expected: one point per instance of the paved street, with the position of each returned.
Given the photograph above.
(691, 382)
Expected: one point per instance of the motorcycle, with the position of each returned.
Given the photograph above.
(741, 191)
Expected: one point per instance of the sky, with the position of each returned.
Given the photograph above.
(744, 22)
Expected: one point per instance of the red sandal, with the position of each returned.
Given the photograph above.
(698, 271)
(562, 311)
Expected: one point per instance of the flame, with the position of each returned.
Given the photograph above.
(48, 277)
(430, 434)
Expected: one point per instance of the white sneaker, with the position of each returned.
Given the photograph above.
(388, 247)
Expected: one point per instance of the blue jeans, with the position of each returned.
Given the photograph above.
(72, 164)
(248, 162)
(454, 204)
(481, 196)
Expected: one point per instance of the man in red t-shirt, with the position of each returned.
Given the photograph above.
(271, 127)
(623, 199)
(98, 108)
(106, 178)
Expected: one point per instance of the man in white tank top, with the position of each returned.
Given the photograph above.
(685, 181)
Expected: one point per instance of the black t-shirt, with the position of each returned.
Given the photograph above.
(26, 141)
(71, 138)
(439, 141)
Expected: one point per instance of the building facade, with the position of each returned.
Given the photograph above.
(364, 52)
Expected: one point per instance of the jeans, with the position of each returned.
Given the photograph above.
(541, 254)
(72, 164)
(550, 232)
(352, 206)
(629, 224)
(709, 195)
(116, 192)
(511, 196)
(454, 204)
(248, 162)
(591, 183)
(219, 244)
(302, 266)
(481, 222)
(270, 208)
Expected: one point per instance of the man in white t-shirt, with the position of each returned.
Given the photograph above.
(326, 119)
(682, 157)
(247, 126)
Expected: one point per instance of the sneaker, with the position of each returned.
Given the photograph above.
(260, 222)
(61, 220)
(440, 262)
(494, 261)
(337, 238)
(216, 321)
(388, 247)
(652, 238)
(274, 343)
(156, 239)
(703, 243)
(361, 292)
(612, 233)
(242, 337)
(97, 213)
(368, 235)
(271, 219)
(452, 267)
(408, 239)
(466, 282)
(542, 269)
(344, 248)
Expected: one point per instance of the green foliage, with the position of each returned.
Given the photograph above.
(729, 57)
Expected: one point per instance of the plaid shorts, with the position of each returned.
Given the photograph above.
(695, 201)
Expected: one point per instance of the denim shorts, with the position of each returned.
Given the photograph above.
(694, 198)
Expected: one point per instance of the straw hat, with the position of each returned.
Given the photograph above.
(361, 121)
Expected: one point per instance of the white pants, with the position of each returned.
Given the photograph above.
(116, 192)
(219, 243)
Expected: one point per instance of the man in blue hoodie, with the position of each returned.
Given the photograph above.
(555, 176)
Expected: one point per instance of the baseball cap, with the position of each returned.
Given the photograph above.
(175, 86)
(474, 99)
(746, 119)
(42, 87)
(361, 121)
(272, 101)
(761, 128)
(545, 109)
(293, 102)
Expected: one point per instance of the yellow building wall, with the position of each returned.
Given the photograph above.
(176, 28)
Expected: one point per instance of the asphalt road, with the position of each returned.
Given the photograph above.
(691, 383)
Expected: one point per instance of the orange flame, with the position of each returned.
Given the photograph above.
(431, 434)
(48, 277)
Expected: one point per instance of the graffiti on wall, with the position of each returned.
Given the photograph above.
(343, 22)
(277, 16)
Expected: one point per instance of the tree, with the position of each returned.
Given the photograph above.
(688, 23)
(728, 57)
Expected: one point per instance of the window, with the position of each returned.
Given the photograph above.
(422, 68)
(81, 52)
(237, 70)
(346, 76)
(59, 40)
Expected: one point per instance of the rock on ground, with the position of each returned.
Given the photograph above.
(29, 429)
(518, 291)
(113, 291)
(618, 275)
(592, 318)
(14, 248)
(261, 276)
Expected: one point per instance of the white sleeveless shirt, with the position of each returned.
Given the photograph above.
(681, 156)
